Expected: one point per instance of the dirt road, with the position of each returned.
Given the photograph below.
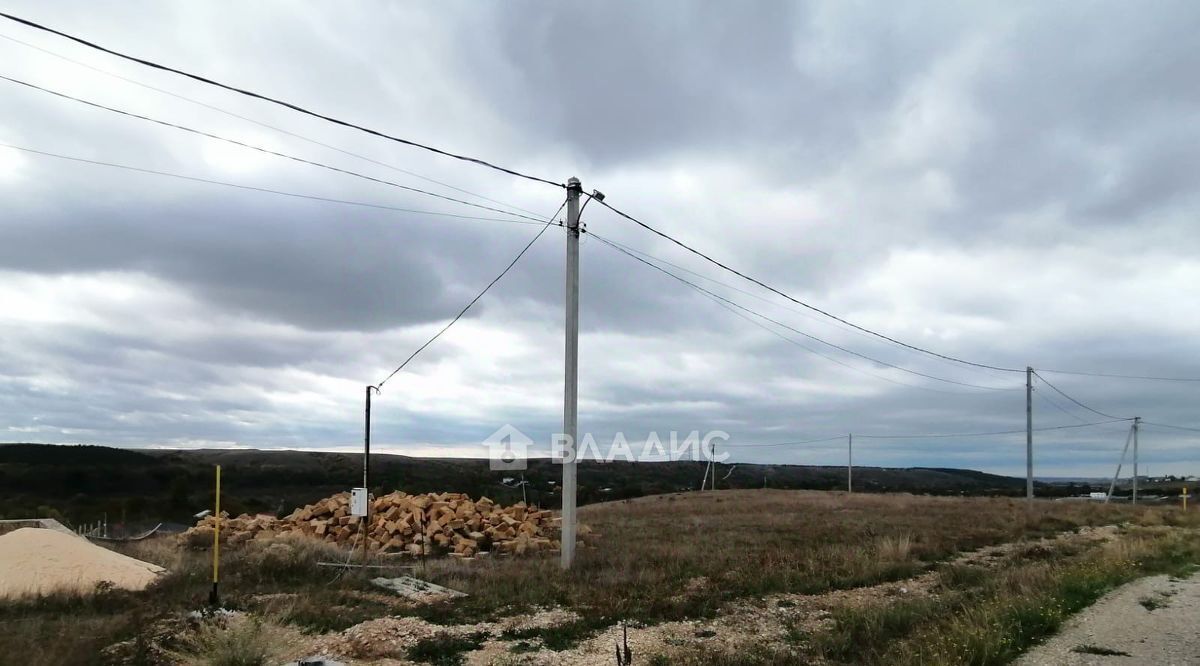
(1151, 621)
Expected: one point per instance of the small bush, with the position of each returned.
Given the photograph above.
(237, 641)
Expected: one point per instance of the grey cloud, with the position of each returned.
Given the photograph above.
(1058, 134)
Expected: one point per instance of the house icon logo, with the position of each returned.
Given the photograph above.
(508, 449)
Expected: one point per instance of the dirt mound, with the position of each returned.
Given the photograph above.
(41, 561)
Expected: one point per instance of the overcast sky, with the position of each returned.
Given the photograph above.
(1013, 186)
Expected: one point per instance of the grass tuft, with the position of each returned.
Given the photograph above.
(237, 641)
(444, 649)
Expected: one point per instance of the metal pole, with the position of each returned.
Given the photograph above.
(850, 463)
(1137, 420)
(571, 372)
(1029, 434)
(367, 442)
(366, 519)
(213, 597)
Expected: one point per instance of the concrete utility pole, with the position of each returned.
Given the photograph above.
(367, 441)
(850, 463)
(1029, 433)
(1137, 421)
(712, 457)
(366, 519)
(571, 384)
(1113, 486)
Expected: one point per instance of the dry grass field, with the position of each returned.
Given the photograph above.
(726, 577)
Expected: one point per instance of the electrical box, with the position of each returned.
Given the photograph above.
(358, 502)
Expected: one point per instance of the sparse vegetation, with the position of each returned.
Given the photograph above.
(1152, 603)
(1007, 611)
(444, 650)
(962, 576)
(236, 641)
(674, 557)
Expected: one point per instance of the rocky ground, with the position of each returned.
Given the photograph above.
(770, 618)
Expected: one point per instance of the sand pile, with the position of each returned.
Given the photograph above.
(34, 561)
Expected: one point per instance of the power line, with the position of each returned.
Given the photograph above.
(1060, 392)
(1046, 399)
(836, 318)
(798, 311)
(1119, 376)
(287, 105)
(267, 151)
(809, 441)
(548, 224)
(783, 325)
(852, 328)
(740, 312)
(269, 126)
(474, 160)
(793, 299)
(252, 188)
(928, 436)
(1167, 425)
(827, 357)
(744, 292)
(987, 434)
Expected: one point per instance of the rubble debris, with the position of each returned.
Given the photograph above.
(428, 524)
(417, 589)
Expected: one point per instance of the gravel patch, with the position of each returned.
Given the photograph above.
(1119, 629)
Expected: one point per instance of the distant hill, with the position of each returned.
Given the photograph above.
(72, 454)
(83, 483)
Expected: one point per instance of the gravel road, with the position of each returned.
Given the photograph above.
(1150, 621)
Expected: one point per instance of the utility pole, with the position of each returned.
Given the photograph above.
(367, 441)
(366, 519)
(712, 456)
(1137, 421)
(850, 463)
(1028, 434)
(571, 383)
(1113, 486)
